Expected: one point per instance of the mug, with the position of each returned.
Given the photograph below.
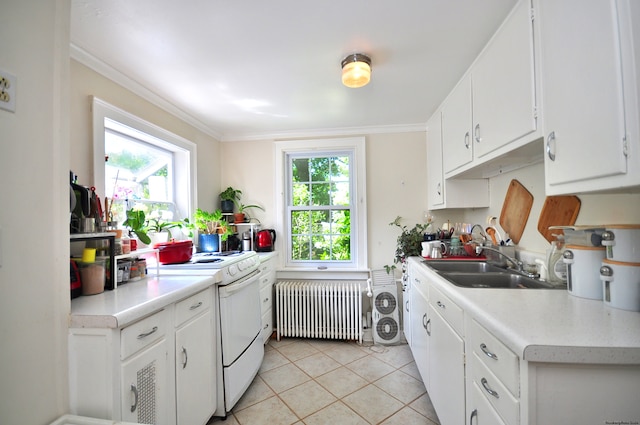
(428, 247)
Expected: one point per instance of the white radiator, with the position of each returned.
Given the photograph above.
(319, 309)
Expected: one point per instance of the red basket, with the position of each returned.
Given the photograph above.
(174, 252)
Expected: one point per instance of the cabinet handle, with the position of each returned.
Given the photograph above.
(466, 140)
(193, 307)
(428, 328)
(439, 189)
(441, 305)
(488, 389)
(551, 152)
(134, 390)
(266, 326)
(185, 356)
(476, 133)
(424, 321)
(266, 300)
(406, 305)
(473, 414)
(144, 335)
(488, 353)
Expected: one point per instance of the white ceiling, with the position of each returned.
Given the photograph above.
(253, 69)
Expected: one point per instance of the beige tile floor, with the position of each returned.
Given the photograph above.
(318, 382)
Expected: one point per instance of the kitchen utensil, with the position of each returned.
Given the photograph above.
(557, 211)
(265, 240)
(583, 265)
(515, 210)
(622, 242)
(492, 234)
(620, 284)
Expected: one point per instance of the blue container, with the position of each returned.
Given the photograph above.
(209, 243)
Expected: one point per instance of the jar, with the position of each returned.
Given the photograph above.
(583, 270)
(126, 245)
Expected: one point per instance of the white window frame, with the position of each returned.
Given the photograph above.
(355, 145)
(185, 152)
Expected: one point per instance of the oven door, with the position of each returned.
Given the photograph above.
(240, 320)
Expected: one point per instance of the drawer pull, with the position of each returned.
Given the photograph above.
(406, 305)
(488, 353)
(266, 326)
(185, 356)
(266, 300)
(441, 305)
(134, 390)
(428, 328)
(193, 307)
(146, 334)
(488, 389)
(473, 414)
(466, 140)
(425, 322)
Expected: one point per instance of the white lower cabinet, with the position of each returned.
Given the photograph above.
(481, 412)
(446, 370)
(195, 360)
(421, 325)
(267, 281)
(157, 370)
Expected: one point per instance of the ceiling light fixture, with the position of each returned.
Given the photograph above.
(356, 70)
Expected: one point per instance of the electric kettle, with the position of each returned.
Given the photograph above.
(265, 240)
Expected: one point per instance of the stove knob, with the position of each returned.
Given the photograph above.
(232, 269)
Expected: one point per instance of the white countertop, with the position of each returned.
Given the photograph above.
(549, 325)
(133, 300)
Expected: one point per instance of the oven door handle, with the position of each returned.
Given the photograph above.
(230, 289)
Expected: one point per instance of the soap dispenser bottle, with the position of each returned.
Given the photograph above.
(557, 268)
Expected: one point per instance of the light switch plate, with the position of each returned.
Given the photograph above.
(7, 91)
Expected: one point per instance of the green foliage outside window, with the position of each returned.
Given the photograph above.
(320, 209)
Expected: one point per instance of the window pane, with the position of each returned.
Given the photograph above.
(320, 169)
(320, 194)
(300, 222)
(321, 245)
(340, 193)
(300, 170)
(300, 247)
(301, 194)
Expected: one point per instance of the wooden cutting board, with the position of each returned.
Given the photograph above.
(515, 210)
(558, 211)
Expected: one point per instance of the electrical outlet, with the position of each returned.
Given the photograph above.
(7, 91)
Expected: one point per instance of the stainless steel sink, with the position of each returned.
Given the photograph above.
(506, 280)
(480, 274)
(463, 266)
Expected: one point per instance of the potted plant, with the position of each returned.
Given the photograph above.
(136, 223)
(212, 228)
(409, 242)
(239, 216)
(160, 231)
(227, 199)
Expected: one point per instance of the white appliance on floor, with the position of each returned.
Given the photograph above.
(385, 314)
(240, 349)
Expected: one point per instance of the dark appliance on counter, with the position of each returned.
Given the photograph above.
(265, 240)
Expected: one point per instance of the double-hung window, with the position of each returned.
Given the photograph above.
(323, 214)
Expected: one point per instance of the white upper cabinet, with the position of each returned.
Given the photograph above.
(589, 94)
(456, 127)
(491, 117)
(456, 193)
(504, 89)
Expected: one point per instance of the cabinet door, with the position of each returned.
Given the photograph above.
(480, 410)
(195, 371)
(420, 326)
(435, 176)
(582, 90)
(457, 149)
(406, 301)
(145, 386)
(503, 79)
(446, 371)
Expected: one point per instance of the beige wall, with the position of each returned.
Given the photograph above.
(86, 82)
(34, 213)
(396, 184)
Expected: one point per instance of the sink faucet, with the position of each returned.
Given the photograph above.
(484, 236)
(518, 265)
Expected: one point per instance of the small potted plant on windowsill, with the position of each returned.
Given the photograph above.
(212, 229)
(227, 199)
(136, 223)
(239, 216)
(160, 231)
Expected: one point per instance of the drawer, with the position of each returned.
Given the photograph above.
(267, 325)
(267, 279)
(268, 266)
(192, 306)
(502, 362)
(266, 294)
(494, 391)
(143, 333)
(449, 311)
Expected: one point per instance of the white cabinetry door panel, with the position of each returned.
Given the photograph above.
(481, 412)
(582, 87)
(145, 387)
(457, 146)
(503, 79)
(446, 371)
(195, 376)
(420, 327)
(435, 175)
